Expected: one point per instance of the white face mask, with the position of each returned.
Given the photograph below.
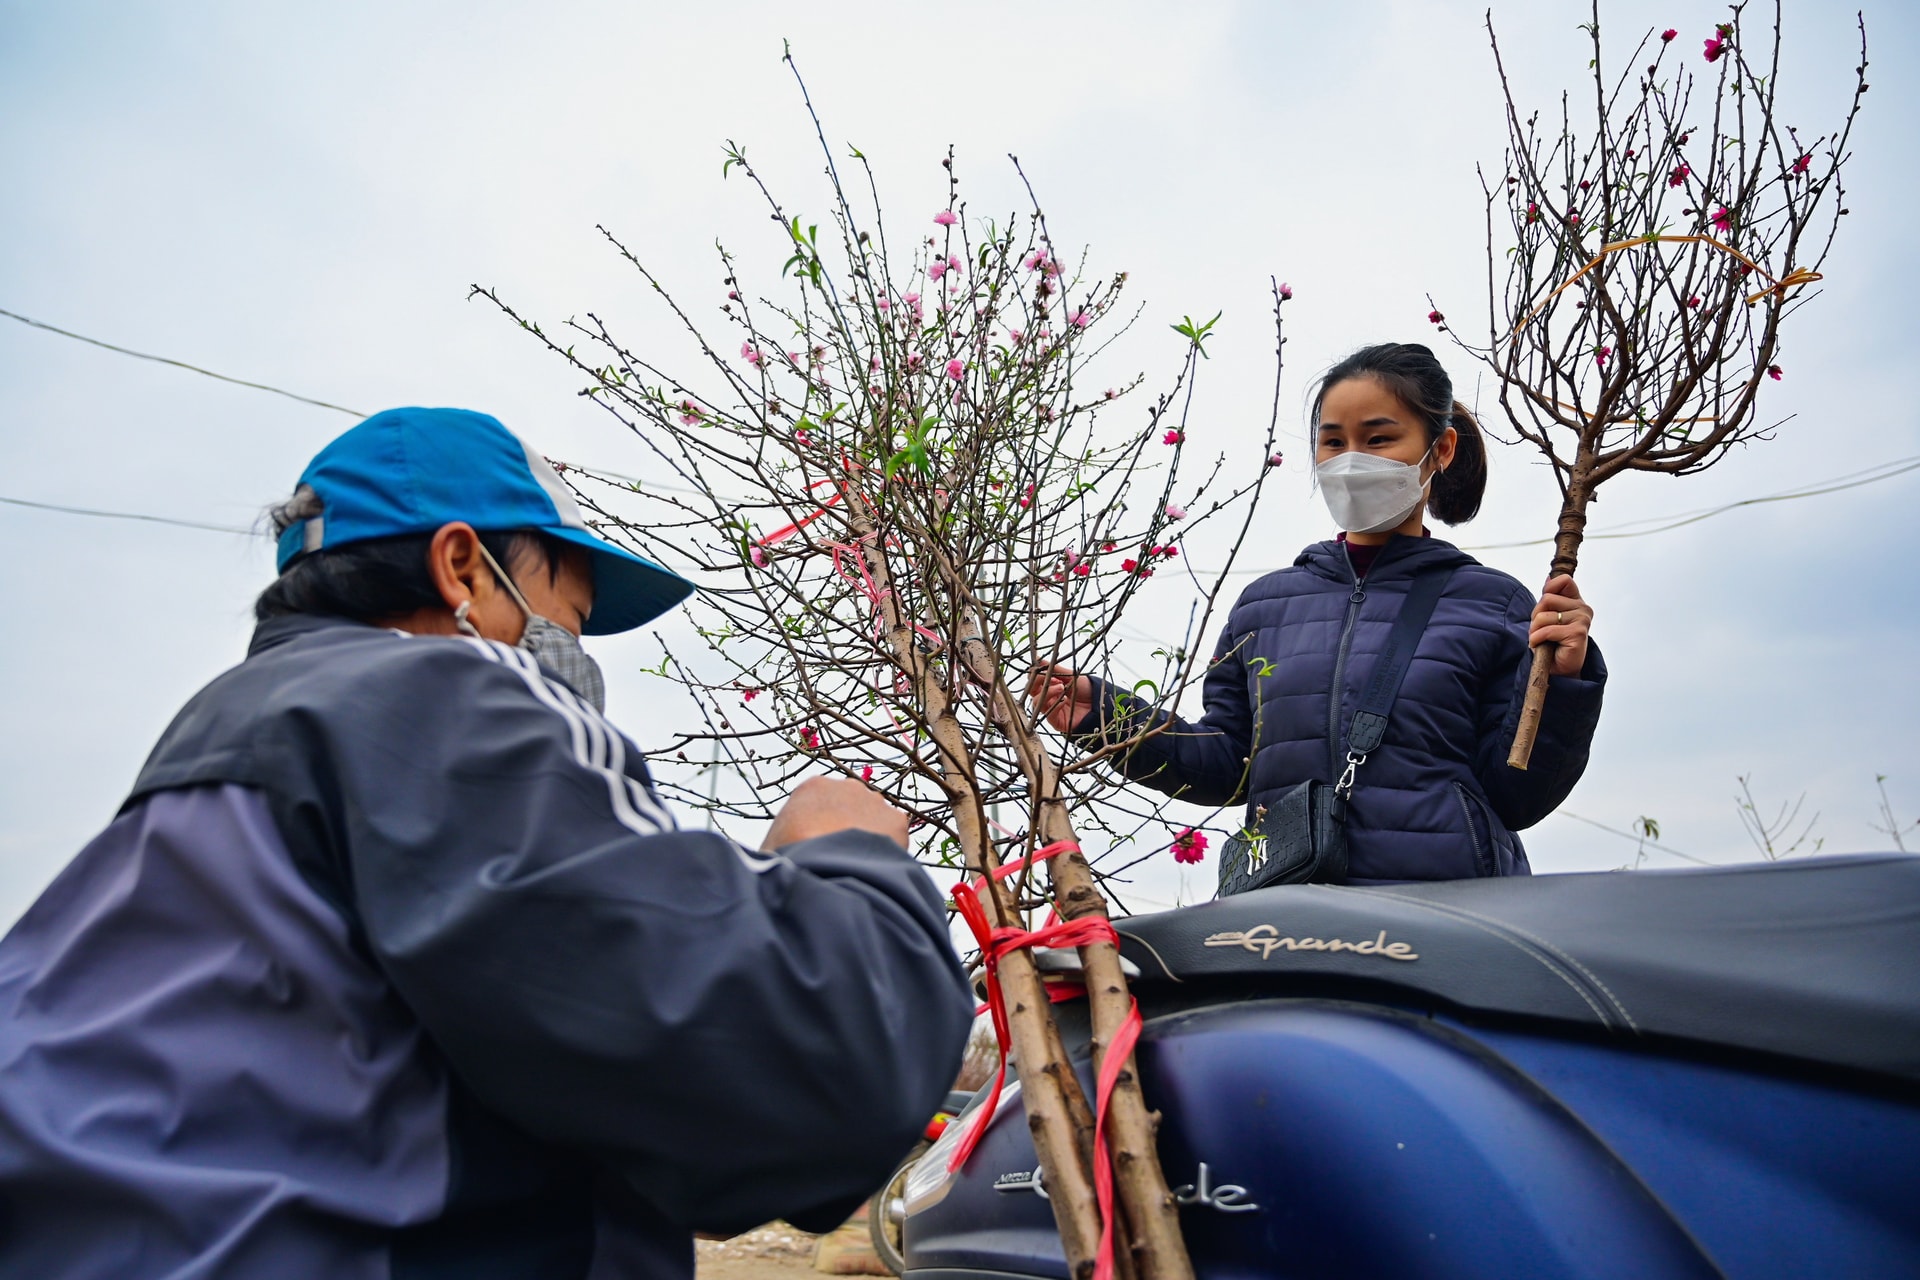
(1370, 494)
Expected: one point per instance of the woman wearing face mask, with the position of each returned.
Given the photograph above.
(1436, 799)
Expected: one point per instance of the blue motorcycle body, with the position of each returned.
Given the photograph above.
(1690, 1074)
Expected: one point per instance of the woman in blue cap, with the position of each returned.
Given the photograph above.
(393, 964)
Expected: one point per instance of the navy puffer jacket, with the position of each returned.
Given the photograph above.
(1437, 800)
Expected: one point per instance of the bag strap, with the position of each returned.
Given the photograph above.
(1369, 725)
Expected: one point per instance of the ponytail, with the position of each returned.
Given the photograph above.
(1412, 373)
(1455, 497)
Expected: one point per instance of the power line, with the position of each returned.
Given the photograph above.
(1639, 840)
(1663, 524)
(123, 515)
(1659, 524)
(178, 364)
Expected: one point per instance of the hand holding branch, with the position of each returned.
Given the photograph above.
(1564, 620)
(1061, 695)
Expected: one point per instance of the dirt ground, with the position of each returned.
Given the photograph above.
(776, 1252)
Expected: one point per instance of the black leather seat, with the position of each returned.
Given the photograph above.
(1814, 958)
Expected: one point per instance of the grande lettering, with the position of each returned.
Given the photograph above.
(1264, 939)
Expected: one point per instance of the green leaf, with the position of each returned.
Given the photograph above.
(1195, 332)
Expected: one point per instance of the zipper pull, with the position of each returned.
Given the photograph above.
(1359, 594)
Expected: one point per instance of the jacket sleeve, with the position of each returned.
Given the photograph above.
(744, 1036)
(1522, 797)
(1203, 761)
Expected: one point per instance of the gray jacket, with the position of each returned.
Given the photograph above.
(393, 965)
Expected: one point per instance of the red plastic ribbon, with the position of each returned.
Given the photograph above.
(781, 535)
(870, 588)
(996, 943)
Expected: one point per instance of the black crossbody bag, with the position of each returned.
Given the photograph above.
(1302, 836)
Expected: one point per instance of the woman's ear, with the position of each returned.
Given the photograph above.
(1443, 449)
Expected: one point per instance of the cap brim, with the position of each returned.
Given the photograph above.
(628, 590)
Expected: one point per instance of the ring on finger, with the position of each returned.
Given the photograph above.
(1559, 618)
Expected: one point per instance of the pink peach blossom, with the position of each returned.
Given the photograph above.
(956, 369)
(1080, 319)
(1176, 512)
(1190, 845)
(1173, 437)
(945, 218)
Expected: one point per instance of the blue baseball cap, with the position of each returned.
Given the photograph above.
(414, 470)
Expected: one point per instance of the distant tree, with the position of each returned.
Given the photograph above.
(1889, 826)
(1775, 837)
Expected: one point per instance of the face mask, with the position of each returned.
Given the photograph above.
(552, 645)
(1367, 493)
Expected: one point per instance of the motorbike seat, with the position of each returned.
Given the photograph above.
(1813, 958)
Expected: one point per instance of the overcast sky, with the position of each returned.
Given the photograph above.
(300, 195)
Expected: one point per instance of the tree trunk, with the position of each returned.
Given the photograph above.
(1566, 558)
(1145, 1207)
(1057, 1112)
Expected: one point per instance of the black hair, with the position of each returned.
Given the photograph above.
(380, 577)
(1413, 374)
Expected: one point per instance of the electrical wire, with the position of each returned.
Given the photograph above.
(1663, 524)
(124, 515)
(1639, 840)
(178, 364)
(1658, 524)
